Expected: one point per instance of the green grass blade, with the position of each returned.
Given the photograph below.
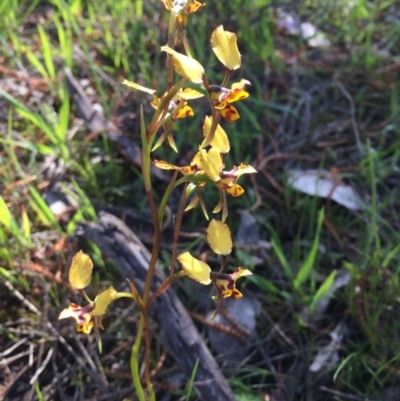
(277, 247)
(326, 285)
(32, 117)
(38, 121)
(192, 377)
(65, 40)
(87, 208)
(306, 267)
(6, 217)
(10, 223)
(264, 284)
(395, 251)
(373, 228)
(47, 54)
(63, 117)
(26, 225)
(37, 148)
(43, 209)
(37, 64)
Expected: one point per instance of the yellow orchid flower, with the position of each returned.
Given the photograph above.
(227, 183)
(178, 107)
(191, 6)
(210, 163)
(220, 241)
(224, 45)
(229, 178)
(89, 316)
(226, 283)
(223, 97)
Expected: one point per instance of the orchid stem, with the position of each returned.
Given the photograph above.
(171, 42)
(177, 228)
(134, 361)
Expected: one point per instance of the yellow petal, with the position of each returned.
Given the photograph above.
(218, 208)
(242, 169)
(189, 94)
(234, 96)
(235, 190)
(80, 272)
(103, 300)
(78, 313)
(185, 111)
(187, 67)
(230, 113)
(203, 206)
(211, 163)
(197, 161)
(239, 86)
(165, 165)
(185, 170)
(193, 6)
(219, 237)
(224, 283)
(236, 294)
(241, 272)
(73, 311)
(138, 87)
(220, 140)
(171, 143)
(192, 204)
(224, 45)
(160, 141)
(195, 268)
(197, 198)
(85, 328)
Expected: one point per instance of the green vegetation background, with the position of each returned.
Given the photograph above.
(334, 108)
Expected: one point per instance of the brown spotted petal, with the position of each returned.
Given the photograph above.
(226, 283)
(223, 97)
(82, 315)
